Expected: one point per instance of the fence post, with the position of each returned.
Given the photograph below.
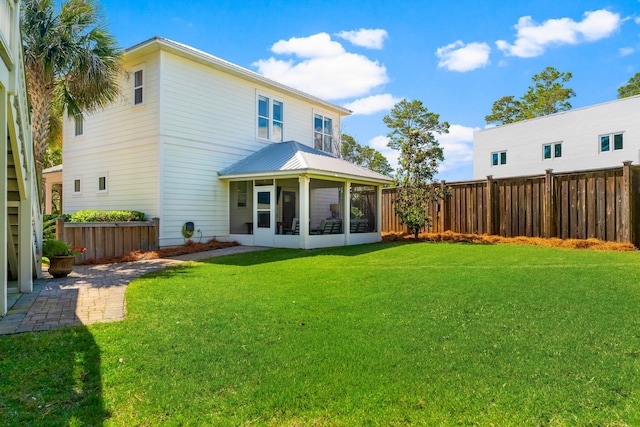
(154, 236)
(627, 206)
(441, 207)
(490, 203)
(549, 208)
(60, 228)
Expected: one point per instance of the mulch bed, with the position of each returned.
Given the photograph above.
(188, 248)
(449, 236)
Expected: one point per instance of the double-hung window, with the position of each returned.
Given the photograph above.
(138, 86)
(270, 119)
(606, 142)
(78, 123)
(323, 133)
(498, 158)
(552, 151)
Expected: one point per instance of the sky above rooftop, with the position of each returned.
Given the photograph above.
(457, 57)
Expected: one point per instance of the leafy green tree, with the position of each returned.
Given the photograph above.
(413, 128)
(72, 62)
(364, 156)
(631, 88)
(547, 95)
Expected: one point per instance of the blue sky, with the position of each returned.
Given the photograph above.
(457, 57)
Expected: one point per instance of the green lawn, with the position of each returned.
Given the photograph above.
(376, 335)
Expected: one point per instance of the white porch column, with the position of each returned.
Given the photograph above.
(379, 211)
(3, 201)
(25, 239)
(304, 210)
(346, 208)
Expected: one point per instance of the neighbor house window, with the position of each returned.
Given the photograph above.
(499, 158)
(102, 183)
(78, 125)
(550, 151)
(605, 142)
(270, 118)
(138, 85)
(76, 186)
(323, 133)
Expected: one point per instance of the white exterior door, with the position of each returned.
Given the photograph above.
(264, 215)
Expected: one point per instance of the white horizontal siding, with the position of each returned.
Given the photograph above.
(121, 141)
(131, 180)
(210, 106)
(579, 132)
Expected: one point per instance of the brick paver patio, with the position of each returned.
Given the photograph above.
(90, 294)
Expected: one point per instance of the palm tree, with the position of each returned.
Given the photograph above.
(72, 62)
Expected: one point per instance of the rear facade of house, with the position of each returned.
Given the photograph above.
(594, 137)
(184, 116)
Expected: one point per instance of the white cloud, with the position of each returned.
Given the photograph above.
(372, 104)
(532, 38)
(626, 51)
(460, 57)
(636, 20)
(371, 39)
(379, 143)
(458, 148)
(315, 46)
(325, 70)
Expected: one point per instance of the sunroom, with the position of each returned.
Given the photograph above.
(291, 195)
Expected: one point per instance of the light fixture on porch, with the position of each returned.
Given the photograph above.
(335, 210)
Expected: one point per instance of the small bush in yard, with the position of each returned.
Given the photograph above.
(106, 216)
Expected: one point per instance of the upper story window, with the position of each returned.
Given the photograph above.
(606, 142)
(270, 118)
(551, 151)
(323, 133)
(78, 125)
(138, 86)
(498, 158)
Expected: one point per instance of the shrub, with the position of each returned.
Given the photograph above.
(106, 216)
(54, 247)
(49, 225)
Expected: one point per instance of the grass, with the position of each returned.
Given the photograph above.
(375, 335)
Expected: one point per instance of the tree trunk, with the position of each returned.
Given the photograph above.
(40, 93)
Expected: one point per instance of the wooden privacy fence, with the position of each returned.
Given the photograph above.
(109, 239)
(602, 204)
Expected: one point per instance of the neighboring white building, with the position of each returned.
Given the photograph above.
(20, 221)
(184, 117)
(598, 136)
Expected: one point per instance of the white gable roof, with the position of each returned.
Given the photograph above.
(289, 157)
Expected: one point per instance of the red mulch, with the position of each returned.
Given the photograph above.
(449, 236)
(188, 248)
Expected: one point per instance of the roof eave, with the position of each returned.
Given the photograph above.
(228, 67)
(308, 171)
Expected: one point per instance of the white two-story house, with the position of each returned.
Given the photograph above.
(208, 146)
(594, 137)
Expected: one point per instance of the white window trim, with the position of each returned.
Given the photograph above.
(553, 150)
(334, 123)
(270, 119)
(142, 86)
(499, 153)
(106, 183)
(77, 117)
(611, 136)
(73, 186)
